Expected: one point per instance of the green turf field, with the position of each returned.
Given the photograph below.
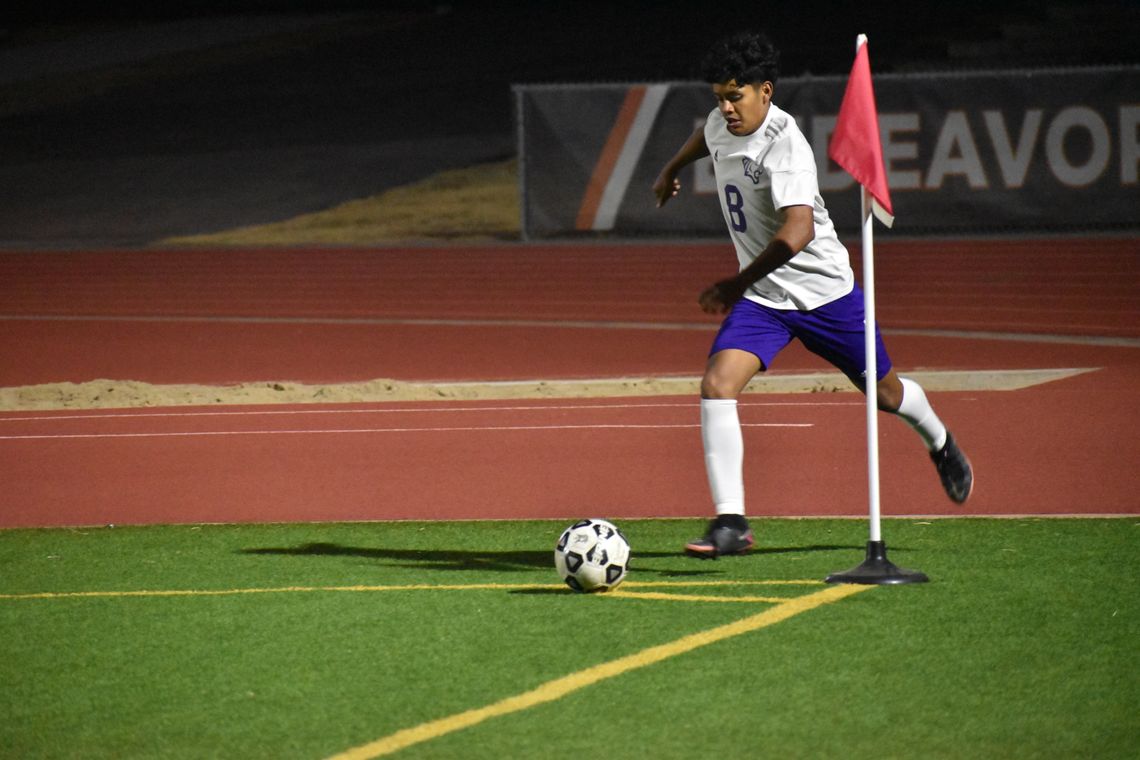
(305, 641)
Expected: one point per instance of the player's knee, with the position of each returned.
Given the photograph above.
(716, 385)
(728, 372)
(889, 395)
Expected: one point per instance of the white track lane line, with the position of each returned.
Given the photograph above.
(489, 428)
(1019, 337)
(47, 416)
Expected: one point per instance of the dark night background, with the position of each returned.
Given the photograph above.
(126, 122)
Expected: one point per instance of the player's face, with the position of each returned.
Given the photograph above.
(744, 107)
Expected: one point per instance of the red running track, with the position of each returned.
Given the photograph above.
(1065, 285)
(332, 316)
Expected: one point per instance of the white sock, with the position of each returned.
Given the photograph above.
(724, 454)
(918, 413)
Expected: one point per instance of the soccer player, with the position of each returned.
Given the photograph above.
(795, 280)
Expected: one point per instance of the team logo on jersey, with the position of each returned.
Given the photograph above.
(752, 169)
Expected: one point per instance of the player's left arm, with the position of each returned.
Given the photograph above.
(797, 230)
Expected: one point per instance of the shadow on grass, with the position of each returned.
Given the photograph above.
(428, 559)
(446, 559)
(803, 549)
(506, 561)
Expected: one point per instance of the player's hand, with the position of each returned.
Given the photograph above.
(665, 187)
(719, 298)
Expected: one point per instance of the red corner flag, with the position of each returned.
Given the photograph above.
(855, 143)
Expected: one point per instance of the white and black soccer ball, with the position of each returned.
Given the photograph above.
(592, 555)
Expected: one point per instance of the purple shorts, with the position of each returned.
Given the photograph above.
(833, 331)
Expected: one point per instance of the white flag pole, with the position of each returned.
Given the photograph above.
(876, 568)
(871, 378)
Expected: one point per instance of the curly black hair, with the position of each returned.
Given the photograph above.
(747, 57)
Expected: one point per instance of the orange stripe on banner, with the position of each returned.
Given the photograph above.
(608, 159)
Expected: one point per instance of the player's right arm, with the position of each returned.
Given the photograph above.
(667, 184)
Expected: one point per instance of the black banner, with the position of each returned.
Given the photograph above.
(974, 152)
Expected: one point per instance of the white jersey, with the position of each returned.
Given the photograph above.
(756, 176)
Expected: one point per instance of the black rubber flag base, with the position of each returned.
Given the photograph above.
(877, 569)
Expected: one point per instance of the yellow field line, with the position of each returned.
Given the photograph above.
(279, 590)
(650, 584)
(662, 596)
(560, 687)
(409, 587)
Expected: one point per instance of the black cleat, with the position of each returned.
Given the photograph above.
(727, 535)
(954, 470)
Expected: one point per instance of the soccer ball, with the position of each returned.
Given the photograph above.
(592, 555)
